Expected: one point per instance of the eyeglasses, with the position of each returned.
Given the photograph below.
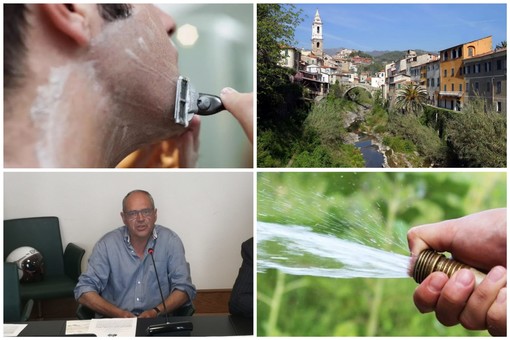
(133, 214)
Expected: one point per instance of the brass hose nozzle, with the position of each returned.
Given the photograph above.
(431, 261)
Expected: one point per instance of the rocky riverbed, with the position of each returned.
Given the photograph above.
(371, 146)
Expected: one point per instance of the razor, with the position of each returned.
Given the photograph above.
(189, 102)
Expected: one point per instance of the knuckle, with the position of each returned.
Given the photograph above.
(411, 234)
(451, 297)
(494, 317)
(470, 322)
(482, 293)
(423, 304)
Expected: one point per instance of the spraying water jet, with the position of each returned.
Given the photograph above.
(431, 261)
(298, 250)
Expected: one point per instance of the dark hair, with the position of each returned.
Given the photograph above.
(135, 191)
(15, 25)
(111, 12)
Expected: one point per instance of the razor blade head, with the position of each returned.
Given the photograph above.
(186, 99)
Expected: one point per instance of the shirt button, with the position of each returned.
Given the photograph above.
(138, 282)
(137, 299)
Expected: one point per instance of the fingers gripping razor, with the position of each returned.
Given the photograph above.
(189, 102)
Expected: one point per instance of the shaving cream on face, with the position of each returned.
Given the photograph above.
(49, 114)
(137, 64)
(66, 113)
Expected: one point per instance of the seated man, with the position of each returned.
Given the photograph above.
(241, 299)
(120, 280)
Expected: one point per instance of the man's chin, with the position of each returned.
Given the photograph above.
(142, 230)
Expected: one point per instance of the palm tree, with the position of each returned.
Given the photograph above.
(501, 45)
(411, 98)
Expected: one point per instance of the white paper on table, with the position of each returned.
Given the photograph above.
(77, 327)
(113, 327)
(11, 329)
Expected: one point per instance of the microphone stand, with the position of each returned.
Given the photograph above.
(167, 326)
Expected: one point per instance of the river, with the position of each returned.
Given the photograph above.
(371, 148)
(371, 154)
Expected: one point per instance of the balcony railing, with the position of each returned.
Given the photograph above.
(451, 93)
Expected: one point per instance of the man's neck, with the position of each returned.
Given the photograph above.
(139, 246)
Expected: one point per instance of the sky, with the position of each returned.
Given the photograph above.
(429, 27)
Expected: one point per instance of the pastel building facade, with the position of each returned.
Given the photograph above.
(451, 94)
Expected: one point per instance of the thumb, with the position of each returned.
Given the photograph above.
(233, 101)
(241, 107)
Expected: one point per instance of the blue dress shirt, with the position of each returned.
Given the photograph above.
(129, 282)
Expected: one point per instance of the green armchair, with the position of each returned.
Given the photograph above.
(14, 310)
(62, 267)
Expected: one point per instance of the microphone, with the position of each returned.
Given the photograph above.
(168, 326)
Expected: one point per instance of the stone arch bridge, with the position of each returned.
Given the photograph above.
(347, 87)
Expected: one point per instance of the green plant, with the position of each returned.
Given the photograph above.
(426, 140)
(398, 144)
(275, 29)
(377, 209)
(411, 98)
(477, 138)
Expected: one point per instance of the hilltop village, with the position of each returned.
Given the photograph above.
(451, 77)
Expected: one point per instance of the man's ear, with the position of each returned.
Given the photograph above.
(70, 19)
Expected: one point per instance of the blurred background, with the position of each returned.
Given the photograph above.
(378, 209)
(215, 44)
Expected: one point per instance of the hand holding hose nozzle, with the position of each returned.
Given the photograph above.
(472, 298)
(453, 292)
(431, 261)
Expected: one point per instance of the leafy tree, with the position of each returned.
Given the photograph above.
(277, 144)
(426, 140)
(412, 98)
(478, 138)
(436, 118)
(360, 54)
(319, 157)
(391, 56)
(374, 67)
(275, 29)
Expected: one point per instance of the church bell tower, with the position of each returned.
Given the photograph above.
(317, 47)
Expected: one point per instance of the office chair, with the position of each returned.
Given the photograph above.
(14, 311)
(62, 268)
